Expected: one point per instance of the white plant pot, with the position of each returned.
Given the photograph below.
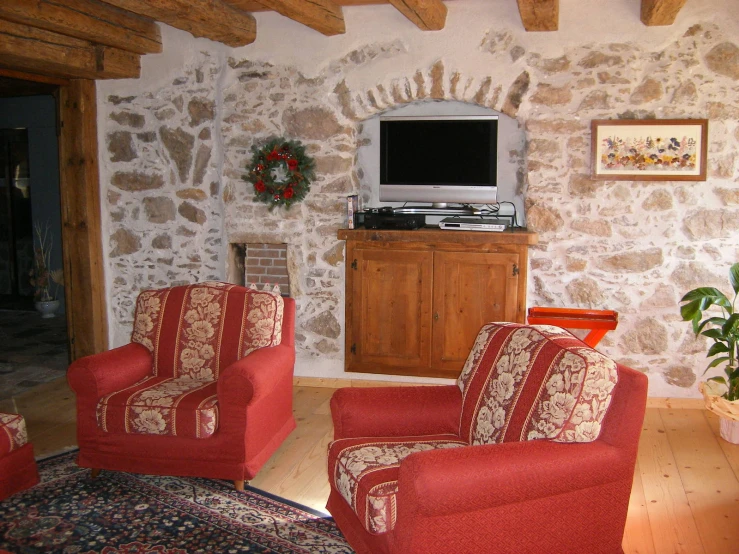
(729, 429)
(47, 308)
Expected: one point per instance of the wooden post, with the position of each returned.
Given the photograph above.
(84, 284)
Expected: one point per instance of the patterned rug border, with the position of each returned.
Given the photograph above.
(247, 487)
(122, 512)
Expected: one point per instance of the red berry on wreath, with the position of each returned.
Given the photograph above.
(288, 193)
(259, 186)
(292, 164)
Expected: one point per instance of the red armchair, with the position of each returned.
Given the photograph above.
(455, 468)
(204, 388)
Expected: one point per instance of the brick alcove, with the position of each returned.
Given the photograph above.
(259, 263)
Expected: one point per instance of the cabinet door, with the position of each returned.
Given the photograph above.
(390, 312)
(470, 289)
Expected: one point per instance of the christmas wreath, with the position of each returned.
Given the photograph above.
(281, 172)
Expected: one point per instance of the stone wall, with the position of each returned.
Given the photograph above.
(161, 187)
(176, 151)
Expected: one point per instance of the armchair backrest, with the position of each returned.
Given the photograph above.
(194, 331)
(523, 382)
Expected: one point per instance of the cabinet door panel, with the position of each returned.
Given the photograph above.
(470, 289)
(391, 312)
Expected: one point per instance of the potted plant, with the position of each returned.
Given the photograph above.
(713, 315)
(41, 276)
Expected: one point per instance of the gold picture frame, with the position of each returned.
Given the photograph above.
(649, 149)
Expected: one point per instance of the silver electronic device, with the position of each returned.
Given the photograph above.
(474, 224)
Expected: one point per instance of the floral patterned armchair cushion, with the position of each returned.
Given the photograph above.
(17, 464)
(193, 332)
(12, 433)
(524, 382)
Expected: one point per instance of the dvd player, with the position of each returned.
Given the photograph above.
(473, 224)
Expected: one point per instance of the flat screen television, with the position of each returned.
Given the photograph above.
(439, 159)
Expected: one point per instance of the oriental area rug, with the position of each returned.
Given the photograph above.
(125, 513)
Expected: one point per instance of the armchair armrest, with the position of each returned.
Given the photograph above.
(478, 477)
(100, 374)
(254, 376)
(396, 411)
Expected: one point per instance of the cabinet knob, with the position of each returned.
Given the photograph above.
(436, 316)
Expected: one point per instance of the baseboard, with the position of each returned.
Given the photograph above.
(333, 383)
(676, 403)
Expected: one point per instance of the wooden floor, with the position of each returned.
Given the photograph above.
(685, 497)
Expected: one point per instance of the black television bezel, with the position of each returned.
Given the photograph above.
(492, 151)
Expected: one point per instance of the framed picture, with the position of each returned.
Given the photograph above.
(649, 149)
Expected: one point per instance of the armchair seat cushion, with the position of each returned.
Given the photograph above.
(162, 406)
(12, 433)
(365, 471)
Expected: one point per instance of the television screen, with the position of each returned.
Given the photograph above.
(459, 151)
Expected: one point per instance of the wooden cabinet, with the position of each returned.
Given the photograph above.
(415, 300)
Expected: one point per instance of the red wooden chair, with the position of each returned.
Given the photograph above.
(598, 321)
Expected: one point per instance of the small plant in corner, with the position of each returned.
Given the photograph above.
(701, 307)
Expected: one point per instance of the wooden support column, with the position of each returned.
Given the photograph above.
(660, 12)
(84, 285)
(539, 15)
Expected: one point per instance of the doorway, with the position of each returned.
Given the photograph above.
(33, 349)
(16, 227)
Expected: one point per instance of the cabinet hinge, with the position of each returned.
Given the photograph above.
(354, 264)
(515, 270)
(354, 348)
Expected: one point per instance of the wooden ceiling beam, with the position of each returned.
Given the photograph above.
(539, 15)
(26, 48)
(89, 20)
(34, 77)
(325, 16)
(213, 19)
(660, 12)
(428, 15)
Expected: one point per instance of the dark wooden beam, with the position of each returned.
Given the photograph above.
(539, 15)
(35, 77)
(325, 16)
(660, 12)
(88, 20)
(428, 15)
(213, 19)
(26, 48)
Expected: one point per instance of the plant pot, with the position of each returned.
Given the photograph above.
(729, 429)
(47, 308)
(727, 411)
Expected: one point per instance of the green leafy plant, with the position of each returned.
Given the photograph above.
(701, 307)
